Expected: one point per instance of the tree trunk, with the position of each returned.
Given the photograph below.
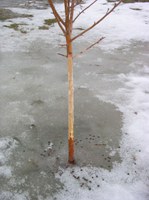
(70, 104)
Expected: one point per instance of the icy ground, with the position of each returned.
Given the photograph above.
(112, 108)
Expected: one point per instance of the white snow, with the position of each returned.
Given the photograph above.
(128, 180)
(6, 147)
(8, 195)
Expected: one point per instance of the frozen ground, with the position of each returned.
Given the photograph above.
(111, 101)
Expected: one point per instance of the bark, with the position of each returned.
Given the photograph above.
(70, 102)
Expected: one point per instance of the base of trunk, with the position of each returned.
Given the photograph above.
(71, 151)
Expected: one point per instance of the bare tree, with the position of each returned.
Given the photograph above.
(66, 25)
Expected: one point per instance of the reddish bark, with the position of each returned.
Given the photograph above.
(71, 151)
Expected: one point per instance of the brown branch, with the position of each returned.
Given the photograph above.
(62, 55)
(97, 22)
(71, 14)
(67, 16)
(59, 20)
(55, 12)
(66, 4)
(62, 45)
(89, 47)
(108, 10)
(84, 10)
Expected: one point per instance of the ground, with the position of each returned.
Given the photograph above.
(111, 106)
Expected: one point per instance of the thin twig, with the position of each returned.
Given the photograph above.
(89, 47)
(66, 4)
(84, 10)
(59, 20)
(71, 14)
(97, 22)
(62, 55)
(55, 11)
(62, 45)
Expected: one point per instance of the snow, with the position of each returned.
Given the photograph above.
(7, 145)
(128, 180)
(114, 28)
(5, 195)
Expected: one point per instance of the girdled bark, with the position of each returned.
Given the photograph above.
(70, 104)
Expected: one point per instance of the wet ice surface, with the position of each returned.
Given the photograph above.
(111, 114)
(35, 96)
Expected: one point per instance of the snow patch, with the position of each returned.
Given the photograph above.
(7, 145)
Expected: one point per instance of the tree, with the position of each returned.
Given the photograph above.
(66, 25)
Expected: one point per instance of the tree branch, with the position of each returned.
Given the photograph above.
(97, 22)
(55, 12)
(60, 21)
(71, 14)
(89, 47)
(62, 55)
(84, 10)
(66, 4)
(62, 45)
